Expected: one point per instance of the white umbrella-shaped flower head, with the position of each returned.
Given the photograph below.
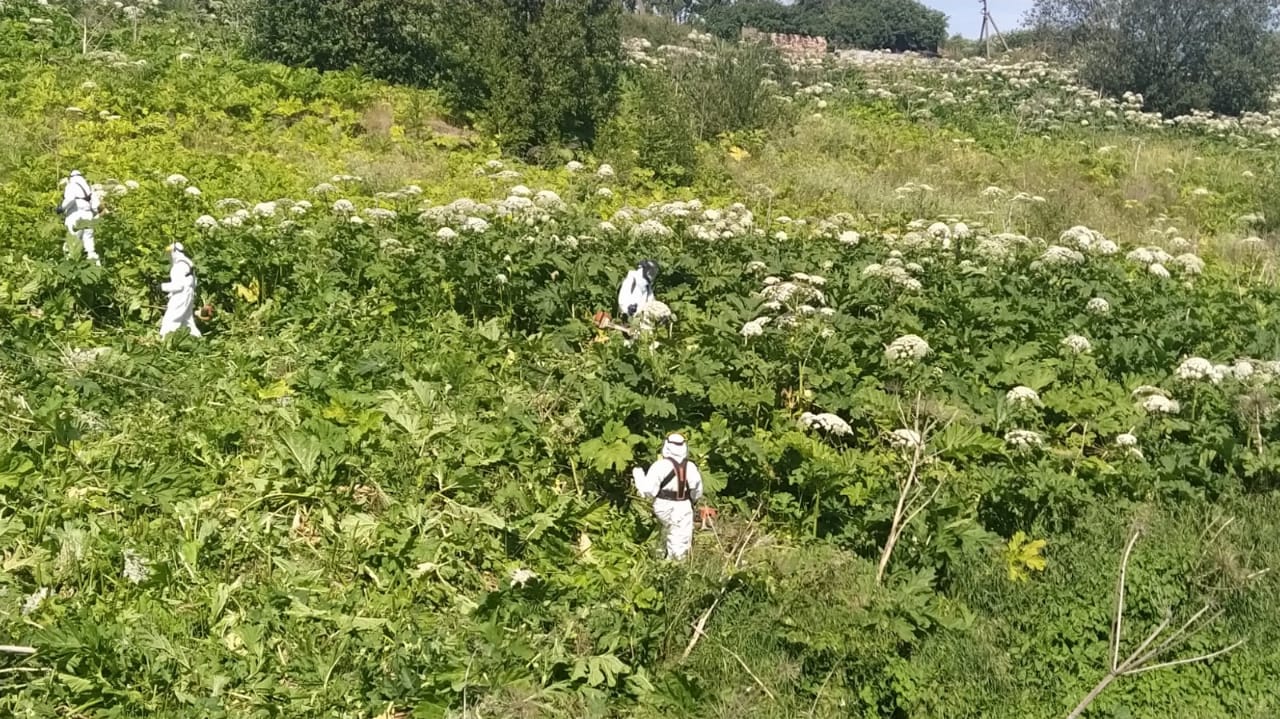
(1023, 439)
(905, 439)
(826, 422)
(1077, 344)
(1021, 396)
(907, 349)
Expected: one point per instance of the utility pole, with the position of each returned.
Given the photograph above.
(989, 30)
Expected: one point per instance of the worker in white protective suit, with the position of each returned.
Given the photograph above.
(637, 289)
(675, 485)
(80, 204)
(181, 289)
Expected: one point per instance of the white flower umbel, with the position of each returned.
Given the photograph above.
(1195, 369)
(1190, 264)
(905, 438)
(520, 577)
(1243, 370)
(1098, 306)
(176, 180)
(1076, 344)
(206, 222)
(34, 600)
(1021, 396)
(826, 422)
(1159, 404)
(755, 327)
(653, 314)
(907, 349)
(135, 567)
(1059, 255)
(1129, 443)
(1023, 439)
(344, 207)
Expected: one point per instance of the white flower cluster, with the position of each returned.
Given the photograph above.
(1129, 443)
(791, 300)
(1250, 371)
(896, 272)
(136, 568)
(907, 349)
(1023, 439)
(905, 439)
(1194, 369)
(654, 314)
(1077, 344)
(32, 603)
(826, 422)
(1098, 306)
(1021, 396)
(651, 230)
(1089, 241)
(1155, 401)
(1157, 261)
(754, 328)
(1055, 255)
(1000, 249)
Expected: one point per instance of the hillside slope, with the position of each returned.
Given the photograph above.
(392, 480)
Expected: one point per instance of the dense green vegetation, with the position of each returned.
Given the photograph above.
(532, 73)
(391, 480)
(870, 24)
(1180, 55)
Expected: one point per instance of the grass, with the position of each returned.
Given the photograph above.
(856, 159)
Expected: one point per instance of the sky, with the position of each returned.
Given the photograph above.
(965, 16)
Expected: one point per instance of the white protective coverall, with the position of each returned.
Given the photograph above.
(636, 290)
(181, 288)
(661, 483)
(80, 204)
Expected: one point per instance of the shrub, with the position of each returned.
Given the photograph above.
(533, 72)
(1179, 54)
(652, 130)
(381, 36)
(871, 24)
(666, 113)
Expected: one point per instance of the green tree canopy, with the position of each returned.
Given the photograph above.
(871, 24)
(1179, 54)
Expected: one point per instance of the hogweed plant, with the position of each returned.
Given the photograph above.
(917, 486)
(1160, 641)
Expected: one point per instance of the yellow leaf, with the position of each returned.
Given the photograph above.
(248, 294)
(738, 153)
(1022, 557)
(275, 391)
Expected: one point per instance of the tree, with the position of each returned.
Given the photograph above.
(1179, 54)
(533, 72)
(381, 36)
(873, 24)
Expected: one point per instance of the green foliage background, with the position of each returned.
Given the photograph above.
(334, 489)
